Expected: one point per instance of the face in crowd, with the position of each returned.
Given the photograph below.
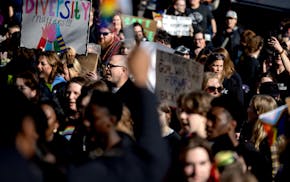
(117, 22)
(218, 65)
(106, 37)
(198, 165)
(29, 92)
(72, 93)
(180, 6)
(138, 32)
(116, 70)
(214, 87)
(52, 121)
(199, 40)
(197, 159)
(218, 122)
(44, 67)
(231, 22)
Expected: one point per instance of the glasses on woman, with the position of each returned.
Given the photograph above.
(212, 89)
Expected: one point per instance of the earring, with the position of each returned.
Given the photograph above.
(54, 130)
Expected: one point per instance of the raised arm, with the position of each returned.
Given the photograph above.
(283, 53)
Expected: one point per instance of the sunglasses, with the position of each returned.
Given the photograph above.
(104, 33)
(218, 56)
(212, 89)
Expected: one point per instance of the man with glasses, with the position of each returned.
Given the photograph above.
(200, 46)
(117, 78)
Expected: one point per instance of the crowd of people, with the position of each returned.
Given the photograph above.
(62, 123)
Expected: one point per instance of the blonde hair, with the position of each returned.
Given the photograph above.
(261, 104)
(74, 68)
(207, 76)
(53, 60)
(69, 59)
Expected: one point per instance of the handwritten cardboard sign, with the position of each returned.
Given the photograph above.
(55, 24)
(149, 25)
(176, 75)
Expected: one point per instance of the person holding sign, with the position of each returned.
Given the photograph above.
(178, 8)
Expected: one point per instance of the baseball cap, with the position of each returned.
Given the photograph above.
(231, 14)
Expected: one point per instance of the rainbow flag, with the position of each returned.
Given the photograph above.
(107, 10)
(67, 132)
(273, 122)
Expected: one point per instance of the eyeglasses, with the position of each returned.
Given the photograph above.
(104, 33)
(212, 89)
(109, 66)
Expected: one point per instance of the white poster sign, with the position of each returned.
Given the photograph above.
(176, 25)
(55, 24)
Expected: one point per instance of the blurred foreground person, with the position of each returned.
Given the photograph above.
(18, 136)
(147, 160)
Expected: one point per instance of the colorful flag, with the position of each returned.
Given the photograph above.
(273, 122)
(107, 9)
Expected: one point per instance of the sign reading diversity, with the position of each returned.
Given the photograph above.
(149, 25)
(55, 24)
(176, 25)
(176, 75)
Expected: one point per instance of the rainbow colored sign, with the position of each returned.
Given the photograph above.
(55, 24)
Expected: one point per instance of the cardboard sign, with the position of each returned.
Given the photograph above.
(176, 75)
(88, 62)
(176, 25)
(53, 25)
(151, 49)
(149, 25)
(94, 48)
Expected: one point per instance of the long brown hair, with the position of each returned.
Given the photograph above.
(229, 67)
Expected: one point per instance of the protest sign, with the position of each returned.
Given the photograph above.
(94, 48)
(176, 75)
(88, 62)
(151, 49)
(176, 25)
(55, 24)
(149, 25)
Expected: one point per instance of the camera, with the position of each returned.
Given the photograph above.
(182, 50)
